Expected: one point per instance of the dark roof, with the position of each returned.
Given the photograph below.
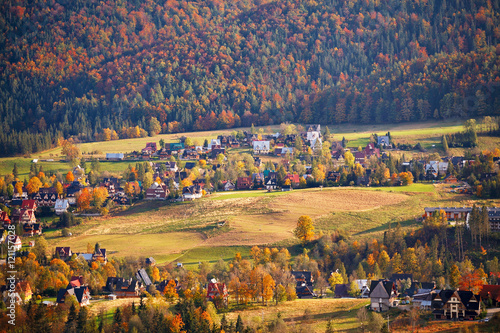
(341, 290)
(142, 275)
(387, 284)
(396, 277)
(189, 165)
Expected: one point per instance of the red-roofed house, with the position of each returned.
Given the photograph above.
(217, 290)
(29, 204)
(4, 219)
(27, 216)
(294, 179)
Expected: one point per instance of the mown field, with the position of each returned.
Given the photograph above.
(428, 133)
(219, 226)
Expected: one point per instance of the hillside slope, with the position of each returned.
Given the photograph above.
(77, 67)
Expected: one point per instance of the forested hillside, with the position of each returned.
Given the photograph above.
(76, 67)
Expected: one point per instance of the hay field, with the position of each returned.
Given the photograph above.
(189, 232)
(312, 315)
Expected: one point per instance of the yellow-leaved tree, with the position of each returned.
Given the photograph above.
(305, 229)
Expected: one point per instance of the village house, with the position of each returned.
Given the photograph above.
(27, 216)
(77, 289)
(450, 179)
(244, 183)
(149, 149)
(30, 230)
(192, 192)
(217, 291)
(72, 190)
(46, 197)
(143, 276)
(282, 151)
(456, 304)
(29, 205)
(490, 294)
(383, 295)
(436, 168)
(258, 180)
(16, 241)
(4, 219)
(313, 132)
(61, 206)
(64, 252)
(19, 196)
(124, 287)
(157, 192)
(383, 141)
(22, 293)
(261, 147)
(304, 284)
(228, 185)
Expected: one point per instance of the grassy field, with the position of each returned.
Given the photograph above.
(191, 232)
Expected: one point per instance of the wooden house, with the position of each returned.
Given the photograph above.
(383, 295)
(217, 290)
(244, 183)
(456, 304)
(46, 197)
(81, 293)
(124, 287)
(157, 192)
(32, 229)
(490, 294)
(64, 252)
(61, 206)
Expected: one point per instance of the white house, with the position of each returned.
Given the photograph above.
(313, 132)
(261, 147)
(61, 206)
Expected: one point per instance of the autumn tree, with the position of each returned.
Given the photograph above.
(70, 177)
(34, 185)
(304, 230)
(154, 126)
(99, 196)
(83, 200)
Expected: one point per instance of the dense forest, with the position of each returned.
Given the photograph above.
(75, 68)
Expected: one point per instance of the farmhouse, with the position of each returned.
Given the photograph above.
(32, 229)
(456, 304)
(4, 219)
(383, 141)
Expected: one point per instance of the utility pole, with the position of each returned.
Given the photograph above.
(388, 329)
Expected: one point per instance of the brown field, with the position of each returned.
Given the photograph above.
(168, 231)
(277, 223)
(312, 314)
